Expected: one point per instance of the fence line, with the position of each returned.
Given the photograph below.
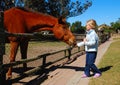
(36, 58)
(43, 56)
(2, 51)
(44, 64)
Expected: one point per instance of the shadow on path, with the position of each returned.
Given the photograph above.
(76, 68)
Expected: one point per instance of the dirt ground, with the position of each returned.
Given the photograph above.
(35, 49)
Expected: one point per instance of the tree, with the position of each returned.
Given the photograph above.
(6, 4)
(77, 28)
(115, 25)
(19, 3)
(57, 8)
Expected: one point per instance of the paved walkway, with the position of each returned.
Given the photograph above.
(71, 74)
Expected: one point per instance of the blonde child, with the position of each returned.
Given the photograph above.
(91, 48)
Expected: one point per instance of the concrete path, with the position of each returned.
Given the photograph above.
(71, 74)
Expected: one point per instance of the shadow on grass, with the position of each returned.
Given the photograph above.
(105, 68)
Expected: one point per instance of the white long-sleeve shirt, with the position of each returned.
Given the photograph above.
(91, 45)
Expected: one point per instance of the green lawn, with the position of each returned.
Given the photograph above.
(110, 66)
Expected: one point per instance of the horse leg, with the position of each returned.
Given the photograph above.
(23, 50)
(13, 52)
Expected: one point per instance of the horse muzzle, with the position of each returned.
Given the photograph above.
(72, 42)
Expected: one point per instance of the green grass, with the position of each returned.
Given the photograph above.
(110, 66)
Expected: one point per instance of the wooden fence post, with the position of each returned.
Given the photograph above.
(69, 54)
(65, 53)
(2, 50)
(44, 62)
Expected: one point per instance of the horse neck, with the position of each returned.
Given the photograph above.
(44, 29)
(41, 22)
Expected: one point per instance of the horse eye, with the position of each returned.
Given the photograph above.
(65, 27)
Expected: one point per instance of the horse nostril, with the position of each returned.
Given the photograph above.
(71, 41)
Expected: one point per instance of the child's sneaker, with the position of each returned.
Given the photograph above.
(84, 76)
(97, 75)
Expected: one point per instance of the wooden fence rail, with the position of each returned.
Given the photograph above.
(2, 50)
(39, 57)
(44, 64)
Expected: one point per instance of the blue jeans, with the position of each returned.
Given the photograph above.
(90, 60)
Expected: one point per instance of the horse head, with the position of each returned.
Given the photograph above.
(62, 32)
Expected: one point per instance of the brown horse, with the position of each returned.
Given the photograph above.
(17, 20)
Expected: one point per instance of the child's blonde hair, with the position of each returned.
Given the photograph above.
(92, 23)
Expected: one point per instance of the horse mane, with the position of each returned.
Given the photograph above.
(43, 14)
(32, 11)
(25, 9)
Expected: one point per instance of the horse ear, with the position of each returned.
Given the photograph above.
(61, 20)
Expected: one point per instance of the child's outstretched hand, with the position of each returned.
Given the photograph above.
(84, 40)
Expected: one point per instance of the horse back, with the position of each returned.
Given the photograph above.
(13, 21)
(17, 20)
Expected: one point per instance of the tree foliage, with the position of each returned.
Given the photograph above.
(77, 28)
(57, 8)
(7, 4)
(115, 25)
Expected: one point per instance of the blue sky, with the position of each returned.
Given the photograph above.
(103, 11)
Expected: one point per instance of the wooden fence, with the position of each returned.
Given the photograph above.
(67, 54)
(2, 51)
